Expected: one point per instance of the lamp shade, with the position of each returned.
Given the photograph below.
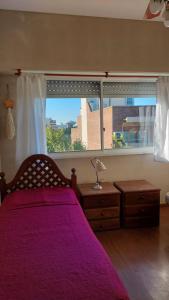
(156, 6)
(99, 165)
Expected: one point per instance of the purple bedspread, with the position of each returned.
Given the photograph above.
(48, 251)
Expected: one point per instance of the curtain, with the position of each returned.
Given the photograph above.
(30, 116)
(146, 119)
(161, 136)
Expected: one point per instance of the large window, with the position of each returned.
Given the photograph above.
(80, 118)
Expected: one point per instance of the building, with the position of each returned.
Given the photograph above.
(119, 117)
(51, 123)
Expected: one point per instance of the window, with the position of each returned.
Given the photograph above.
(78, 119)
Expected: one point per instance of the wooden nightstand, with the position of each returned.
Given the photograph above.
(101, 207)
(140, 203)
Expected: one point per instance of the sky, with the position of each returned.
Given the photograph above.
(143, 101)
(67, 109)
(63, 110)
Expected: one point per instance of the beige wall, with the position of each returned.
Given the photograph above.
(7, 147)
(58, 42)
(122, 168)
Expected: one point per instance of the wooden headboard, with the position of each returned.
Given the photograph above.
(36, 171)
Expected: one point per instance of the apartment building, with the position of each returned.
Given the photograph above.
(122, 120)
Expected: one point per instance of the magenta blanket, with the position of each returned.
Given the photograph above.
(48, 251)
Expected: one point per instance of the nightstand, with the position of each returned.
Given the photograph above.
(101, 207)
(140, 203)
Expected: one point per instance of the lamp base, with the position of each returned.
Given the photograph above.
(97, 186)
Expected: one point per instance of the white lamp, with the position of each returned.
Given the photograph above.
(99, 167)
(156, 6)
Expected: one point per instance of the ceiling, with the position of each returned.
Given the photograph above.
(122, 9)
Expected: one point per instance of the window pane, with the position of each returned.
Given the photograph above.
(128, 122)
(73, 124)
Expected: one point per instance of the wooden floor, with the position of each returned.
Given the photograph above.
(141, 258)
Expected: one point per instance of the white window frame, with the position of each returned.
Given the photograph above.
(103, 152)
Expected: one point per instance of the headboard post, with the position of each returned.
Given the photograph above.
(74, 182)
(73, 178)
(2, 185)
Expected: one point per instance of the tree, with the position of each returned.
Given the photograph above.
(50, 140)
(60, 141)
(57, 141)
(78, 146)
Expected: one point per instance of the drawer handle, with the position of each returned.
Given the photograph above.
(102, 201)
(142, 210)
(141, 198)
(102, 214)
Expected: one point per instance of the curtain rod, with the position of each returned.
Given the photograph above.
(100, 76)
(106, 75)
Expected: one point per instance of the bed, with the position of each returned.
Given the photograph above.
(47, 249)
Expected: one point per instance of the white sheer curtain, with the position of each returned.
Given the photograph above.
(30, 116)
(161, 134)
(146, 118)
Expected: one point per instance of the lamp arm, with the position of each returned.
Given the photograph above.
(93, 163)
(97, 180)
(97, 177)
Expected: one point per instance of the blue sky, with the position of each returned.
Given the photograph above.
(63, 110)
(67, 109)
(143, 101)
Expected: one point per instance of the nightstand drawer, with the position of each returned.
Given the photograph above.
(141, 211)
(100, 225)
(101, 207)
(142, 197)
(101, 201)
(102, 213)
(141, 222)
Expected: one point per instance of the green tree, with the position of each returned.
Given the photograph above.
(50, 140)
(60, 141)
(57, 140)
(78, 146)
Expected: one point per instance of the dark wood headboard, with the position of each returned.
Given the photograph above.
(36, 171)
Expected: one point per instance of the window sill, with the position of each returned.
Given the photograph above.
(99, 153)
